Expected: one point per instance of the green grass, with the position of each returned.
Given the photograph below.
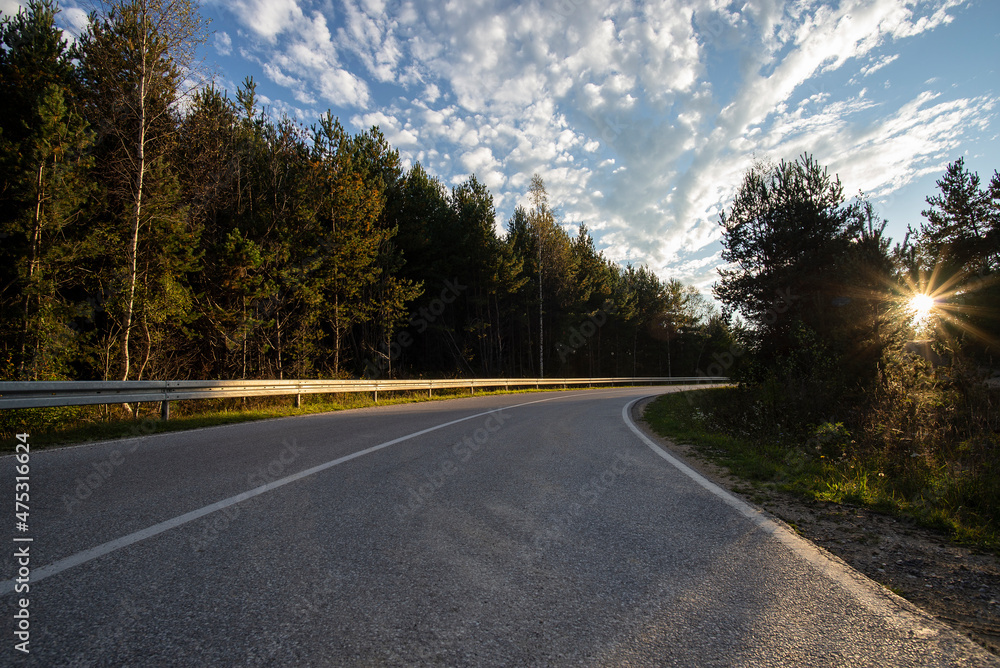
(53, 427)
(682, 417)
(895, 590)
(965, 508)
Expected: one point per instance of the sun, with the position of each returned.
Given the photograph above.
(936, 303)
(921, 305)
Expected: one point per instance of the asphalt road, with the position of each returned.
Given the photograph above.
(537, 529)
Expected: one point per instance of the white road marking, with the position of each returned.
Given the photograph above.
(83, 557)
(894, 610)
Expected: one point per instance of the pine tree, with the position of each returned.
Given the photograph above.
(783, 238)
(963, 222)
(958, 256)
(348, 209)
(44, 159)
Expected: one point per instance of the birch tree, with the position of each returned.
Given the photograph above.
(135, 57)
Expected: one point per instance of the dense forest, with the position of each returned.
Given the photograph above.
(151, 232)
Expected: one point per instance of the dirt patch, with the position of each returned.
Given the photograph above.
(958, 585)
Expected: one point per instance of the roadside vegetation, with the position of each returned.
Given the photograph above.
(828, 465)
(866, 373)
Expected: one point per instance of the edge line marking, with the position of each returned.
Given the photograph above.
(893, 609)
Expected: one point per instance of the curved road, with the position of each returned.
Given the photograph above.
(538, 529)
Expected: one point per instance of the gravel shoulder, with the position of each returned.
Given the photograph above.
(958, 585)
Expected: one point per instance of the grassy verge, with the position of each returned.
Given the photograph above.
(822, 468)
(52, 427)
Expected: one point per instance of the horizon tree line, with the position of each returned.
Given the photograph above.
(143, 238)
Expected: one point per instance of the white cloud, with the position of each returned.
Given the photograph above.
(76, 19)
(478, 159)
(341, 88)
(279, 77)
(868, 70)
(299, 52)
(223, 43)
(10, 7)
(267, 18)
(432, 93)
(641, 117)
(399, 136)
(370, 36)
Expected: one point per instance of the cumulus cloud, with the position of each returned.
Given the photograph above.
(223, 43)
(71, 19)
(401, 136)
(267, 18)
(341, 88)
(641, 117)
(295, 48)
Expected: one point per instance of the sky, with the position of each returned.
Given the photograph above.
(641, 117)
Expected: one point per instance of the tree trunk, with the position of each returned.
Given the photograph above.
(149, 347)
(36, 244)
(245, 336)
(541, 331)
(277, 324)
(336, 334)
(133, 247)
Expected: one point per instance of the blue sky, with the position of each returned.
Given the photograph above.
(640, 116)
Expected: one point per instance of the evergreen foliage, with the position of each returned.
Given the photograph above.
(145, 239)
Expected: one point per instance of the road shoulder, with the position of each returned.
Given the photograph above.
(957, 585)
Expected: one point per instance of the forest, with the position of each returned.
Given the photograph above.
(154, 232)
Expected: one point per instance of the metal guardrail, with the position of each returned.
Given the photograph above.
(40, 394)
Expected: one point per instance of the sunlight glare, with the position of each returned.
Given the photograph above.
(922, 305)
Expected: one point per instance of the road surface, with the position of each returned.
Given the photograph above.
(530, 529)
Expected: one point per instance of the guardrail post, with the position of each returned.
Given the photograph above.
(376, 396)
(298, 401)
(164, 410)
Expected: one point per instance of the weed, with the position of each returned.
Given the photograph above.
(941, 488)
